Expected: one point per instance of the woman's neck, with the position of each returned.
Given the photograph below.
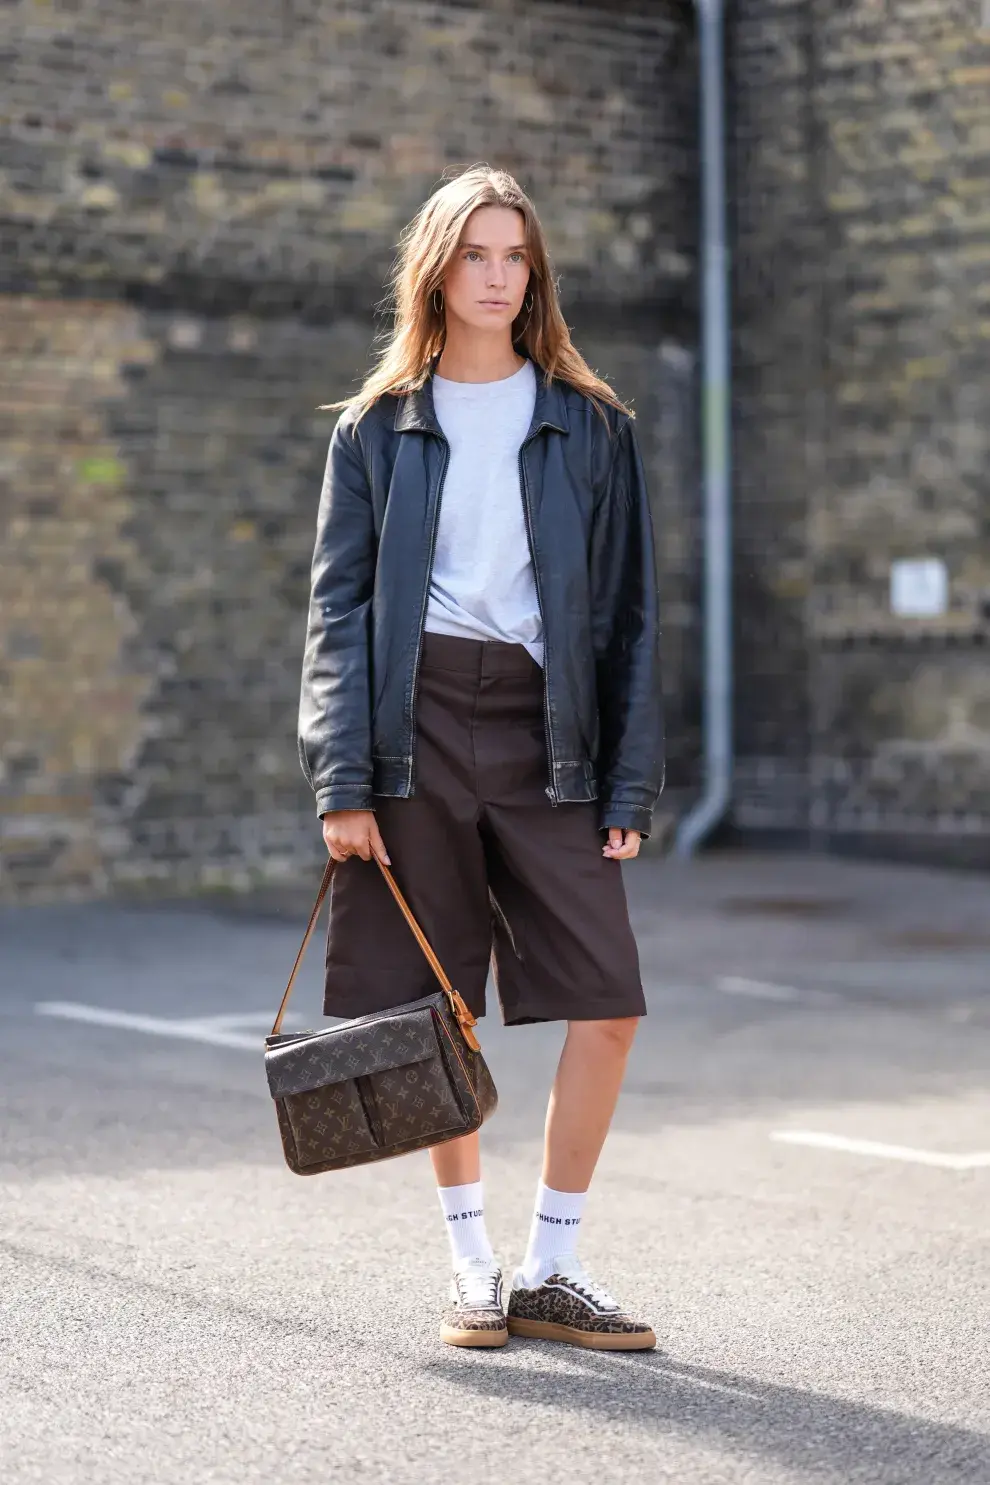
(477, 358)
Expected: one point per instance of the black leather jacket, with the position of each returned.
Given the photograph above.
(591, 538)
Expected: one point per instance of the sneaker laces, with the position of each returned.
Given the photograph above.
(477, 1282)
(572, 1269)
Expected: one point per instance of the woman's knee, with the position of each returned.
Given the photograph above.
(614, 1036)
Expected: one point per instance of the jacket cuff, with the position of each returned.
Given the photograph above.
(344, 797)
(627, 817)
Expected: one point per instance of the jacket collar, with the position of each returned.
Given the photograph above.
(416, 413)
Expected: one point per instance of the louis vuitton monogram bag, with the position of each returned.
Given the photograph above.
(380, 1085)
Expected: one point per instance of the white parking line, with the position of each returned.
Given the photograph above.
(201, 1029)
(248, 1018)
(218, 1031)
(975, 1160)
(764, 990)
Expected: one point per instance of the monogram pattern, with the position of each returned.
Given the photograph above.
(329, 1121)
(376, 1087)
(415, 1100)
(298, 1063)
(559, 1302)
(468, 1070)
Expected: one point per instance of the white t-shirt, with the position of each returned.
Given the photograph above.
(482, 585)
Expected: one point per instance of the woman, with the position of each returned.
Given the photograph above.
(481, 707)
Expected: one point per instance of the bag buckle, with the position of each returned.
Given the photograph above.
(465, 1020)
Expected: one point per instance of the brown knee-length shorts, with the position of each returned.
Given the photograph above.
(494, 872)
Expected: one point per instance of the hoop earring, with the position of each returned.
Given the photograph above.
(436, 306)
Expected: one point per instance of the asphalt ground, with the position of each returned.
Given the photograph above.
(176, 1307)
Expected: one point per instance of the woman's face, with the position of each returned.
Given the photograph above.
(486, 283)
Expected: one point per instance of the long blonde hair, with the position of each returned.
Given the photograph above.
(426, 248)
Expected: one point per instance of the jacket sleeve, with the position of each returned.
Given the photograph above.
(335, 704)
(626, 638)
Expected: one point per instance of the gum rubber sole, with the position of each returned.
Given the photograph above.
(591, 1340)
(474, 1338)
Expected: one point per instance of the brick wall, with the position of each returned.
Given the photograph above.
(862, 288)
(199, 205)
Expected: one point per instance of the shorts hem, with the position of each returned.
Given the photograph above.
(612, 1009)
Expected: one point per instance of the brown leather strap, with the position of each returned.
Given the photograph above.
(324, 889)
(418, 933)
(458, 1006)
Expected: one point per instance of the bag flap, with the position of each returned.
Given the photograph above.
(354, 1050)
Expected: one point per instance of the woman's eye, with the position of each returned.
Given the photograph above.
(515, 257)
(471, 254)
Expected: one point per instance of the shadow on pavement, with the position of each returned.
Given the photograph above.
(818, 1437)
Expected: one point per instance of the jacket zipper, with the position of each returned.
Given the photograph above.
(551, 790)
(426, 598)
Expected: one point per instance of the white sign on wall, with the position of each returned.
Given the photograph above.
(919, 588)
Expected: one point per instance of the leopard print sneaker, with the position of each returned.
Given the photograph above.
(568, 1306)
(475, 1315)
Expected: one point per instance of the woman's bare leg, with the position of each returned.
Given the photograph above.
(583, 1098)
(458, 1162)
(553, 1297)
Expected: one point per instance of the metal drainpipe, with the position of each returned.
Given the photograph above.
(716, 450)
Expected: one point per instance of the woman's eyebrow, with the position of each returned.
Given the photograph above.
(482, 247)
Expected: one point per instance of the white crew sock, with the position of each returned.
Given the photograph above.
(554, 1233)
(464, 1209)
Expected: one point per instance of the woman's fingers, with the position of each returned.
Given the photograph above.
(353, 833)
(378, 845)
(334, 849)
(335, 839)
(623, 845)
(614, 843)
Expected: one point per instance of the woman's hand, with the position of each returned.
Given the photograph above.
(623, 845)
(354, 833)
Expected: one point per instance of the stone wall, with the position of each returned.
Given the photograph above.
(861, 150)
(200, 204)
